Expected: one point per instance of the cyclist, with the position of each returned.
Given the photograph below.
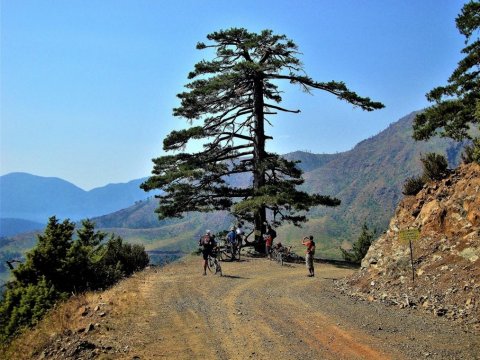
(232, 241)
(208, 244)
(269, 235)
(240, 234)
(310, 244)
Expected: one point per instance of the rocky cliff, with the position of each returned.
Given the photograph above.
(445, 278)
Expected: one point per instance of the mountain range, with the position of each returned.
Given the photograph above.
(368, 179)
(34, 198)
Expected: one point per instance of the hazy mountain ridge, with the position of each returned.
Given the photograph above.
(36, 198)
(10, 227)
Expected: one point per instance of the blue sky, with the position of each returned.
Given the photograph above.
(87, 87)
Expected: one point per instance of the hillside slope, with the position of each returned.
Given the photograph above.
(140, 224)
(446, 256)
(369, 178)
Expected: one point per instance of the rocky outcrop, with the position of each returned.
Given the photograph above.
(445, 276)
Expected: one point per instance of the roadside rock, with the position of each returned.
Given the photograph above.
(444, 278)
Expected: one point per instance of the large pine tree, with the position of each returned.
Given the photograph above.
(234, 96)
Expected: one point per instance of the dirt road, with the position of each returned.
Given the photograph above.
(257, 310)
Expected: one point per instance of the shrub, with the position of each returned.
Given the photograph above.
(413, 185)
(58, 266)
(24, 305)
(472, 152)
(119, 260)
(435, 166)
(359, 247)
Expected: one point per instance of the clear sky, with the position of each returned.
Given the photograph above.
(88, 86)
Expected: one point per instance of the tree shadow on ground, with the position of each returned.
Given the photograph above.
(235, 277)
(339, 263)
(330, 278)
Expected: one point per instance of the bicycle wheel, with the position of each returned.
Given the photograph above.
(273, 254)
(225, 253)
(280, 258)
(233, 251)
(222, 254)
(211, 264)
(239, 250)
(218, 267)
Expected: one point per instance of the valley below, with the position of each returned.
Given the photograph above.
(256, 310)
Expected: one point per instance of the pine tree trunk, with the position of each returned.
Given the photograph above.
(259, 157)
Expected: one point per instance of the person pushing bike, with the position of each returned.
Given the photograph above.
(208, 244)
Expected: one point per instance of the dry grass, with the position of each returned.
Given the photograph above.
(63, 317)
(69, 316)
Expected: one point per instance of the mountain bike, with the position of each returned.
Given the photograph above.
(276, 255)
(213, 264)
(230, 252)
(282, 254)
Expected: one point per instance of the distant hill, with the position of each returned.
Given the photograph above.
(140, 224)
(36, 198)
(368, 179)
(10, 227)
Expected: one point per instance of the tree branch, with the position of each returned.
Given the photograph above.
(281, 109)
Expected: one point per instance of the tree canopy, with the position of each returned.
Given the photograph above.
(234, 96)
(457, 104)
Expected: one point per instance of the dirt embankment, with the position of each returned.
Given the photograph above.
(441, 275)
(257, 310)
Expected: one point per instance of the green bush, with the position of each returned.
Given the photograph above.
(24, 305)
(413, 185)
(359, 247)
(58, 266)
(471, 153)
(119, 260)
(435, 166)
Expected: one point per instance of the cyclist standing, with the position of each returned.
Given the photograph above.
(310, 244)
(269, 235)
(208, 244)
(232, 241)
(240, 234)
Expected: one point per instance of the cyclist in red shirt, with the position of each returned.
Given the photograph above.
(269, 235)
(310, 244)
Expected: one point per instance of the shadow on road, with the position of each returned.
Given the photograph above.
(235, 277)
(338, 263)
(329, 278)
